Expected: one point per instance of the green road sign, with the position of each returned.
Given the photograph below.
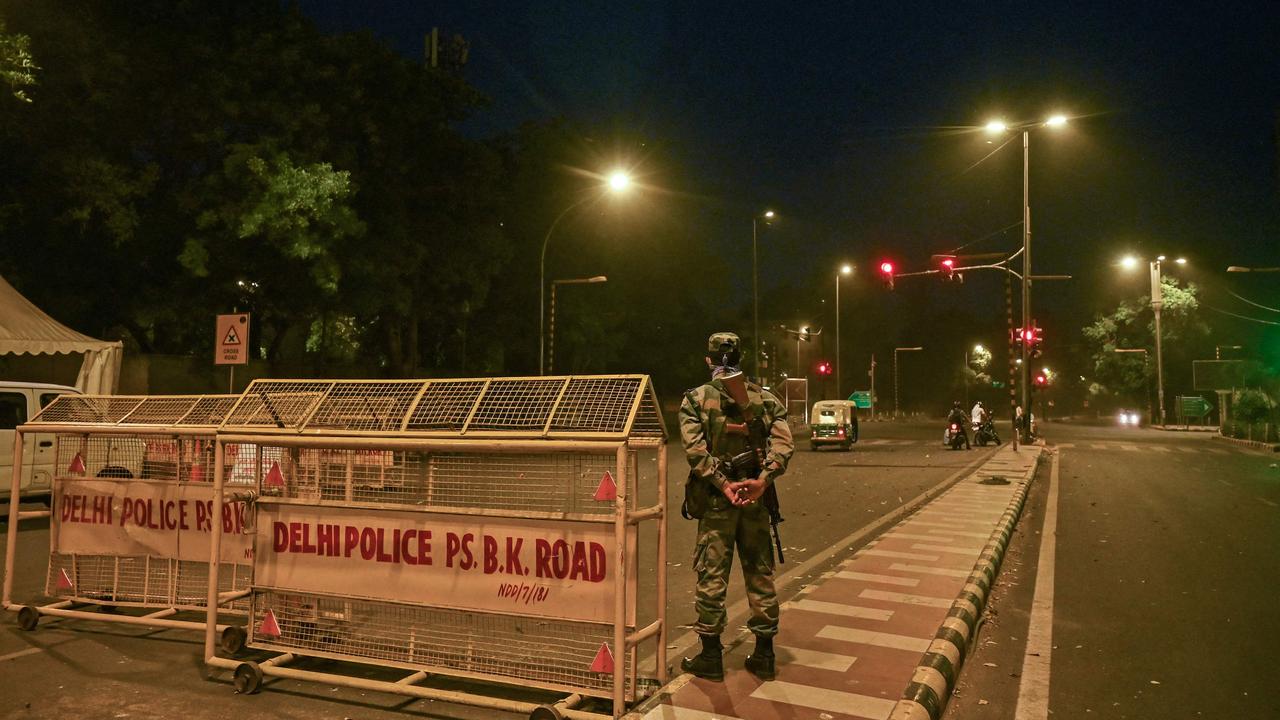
(1194, 406)
(997, 384)
(861, 399)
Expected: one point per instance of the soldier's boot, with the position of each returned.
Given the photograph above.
(708, 664)
(761, 662)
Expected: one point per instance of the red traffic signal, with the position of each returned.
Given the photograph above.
(1041, 380)
(824, 368)
(886, 273)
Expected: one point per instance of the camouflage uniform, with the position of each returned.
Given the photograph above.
(724, 526)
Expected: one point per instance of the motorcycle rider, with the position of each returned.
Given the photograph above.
(979, 414)
(958, 418)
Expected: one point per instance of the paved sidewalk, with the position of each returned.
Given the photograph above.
(851, 642)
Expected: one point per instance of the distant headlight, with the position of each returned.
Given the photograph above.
(1133, 419)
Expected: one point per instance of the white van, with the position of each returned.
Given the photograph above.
(19, 402)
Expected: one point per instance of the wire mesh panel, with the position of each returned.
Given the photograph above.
(90, 409)
(596, 406)
(539, 652)
(141, 580)
(445, 405)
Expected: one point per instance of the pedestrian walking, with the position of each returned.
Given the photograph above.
(729, 510)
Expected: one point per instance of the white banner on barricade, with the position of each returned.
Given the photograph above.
(160, 519)
(549, 568)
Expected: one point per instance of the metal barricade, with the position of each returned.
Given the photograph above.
(477, 528)
(131, 509)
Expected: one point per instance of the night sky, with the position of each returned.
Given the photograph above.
(858, 123)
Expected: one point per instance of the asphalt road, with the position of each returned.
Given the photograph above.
(1165, 602)
(89, 669)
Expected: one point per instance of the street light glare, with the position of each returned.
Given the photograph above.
(979, 349)
(846, 269)
(619, 181)
(1181, 261)
(996, 126)
(1056, 121)
(1129, 262)
(768, 214)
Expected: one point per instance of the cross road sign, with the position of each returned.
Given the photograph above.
(231, 343)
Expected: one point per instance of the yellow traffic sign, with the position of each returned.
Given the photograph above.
(231, 341)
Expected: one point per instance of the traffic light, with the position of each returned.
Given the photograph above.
(886, 273)
(947, 265)
(824, 368)
(1034, 349)
(1041, 380)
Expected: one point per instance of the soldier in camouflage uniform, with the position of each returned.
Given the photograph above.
(731, 514)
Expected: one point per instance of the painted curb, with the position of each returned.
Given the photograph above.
(935, 677)
(1258, 444)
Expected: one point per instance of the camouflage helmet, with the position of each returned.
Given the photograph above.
(718, 340)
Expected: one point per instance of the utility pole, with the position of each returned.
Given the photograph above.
(872, 373)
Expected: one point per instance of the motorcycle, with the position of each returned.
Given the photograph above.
(985, 432)
(954, 436)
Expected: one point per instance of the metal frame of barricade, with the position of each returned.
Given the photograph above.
(298, 429)
(122, 580)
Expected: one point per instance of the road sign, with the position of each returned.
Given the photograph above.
(861, 399)
(1194, 406)
(231, 342)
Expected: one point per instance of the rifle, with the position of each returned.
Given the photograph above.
(753, 462)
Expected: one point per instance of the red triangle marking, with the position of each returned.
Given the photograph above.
(77, 465)
(64, 580)
(607, 489)
(604, 660)
(269, 627)
(274, 476)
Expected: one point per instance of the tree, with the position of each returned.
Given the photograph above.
(1127, 377)
(17, 68)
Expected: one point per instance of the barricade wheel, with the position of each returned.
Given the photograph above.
(28, 618)
(546, 712)
(232, 640)
(248, 678)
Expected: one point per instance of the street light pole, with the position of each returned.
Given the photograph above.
(896, 411)
(551, 340)
(1025, 377)
(755, 293)
(844, 270)
(617, 182)
(1157, 301)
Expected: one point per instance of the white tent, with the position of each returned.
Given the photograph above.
(25, 328)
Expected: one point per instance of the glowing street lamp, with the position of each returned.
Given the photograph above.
(1157, 302)
(996, 127)
(617, 182)
(845, 269)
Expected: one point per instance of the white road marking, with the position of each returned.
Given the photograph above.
(1216, 451)
(1160, 448)
(1098, 446)
(984, 536)
(973, 551)
(903, 555)
(671, 712)
(870, 637)
(1033, 688)
(1224, 482)
(20, 653)
(1066, 445)
(1131, 448)
(906, 598)
(814, 658)
(1187, 449)
(925, 569)
(881, 441)
(847, 703)
(1265, 501)
(830, 608)
(872, 577)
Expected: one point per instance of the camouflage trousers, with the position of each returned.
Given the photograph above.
(721, 529)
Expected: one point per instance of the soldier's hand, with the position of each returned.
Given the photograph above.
(732, 491)
(750, 491)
